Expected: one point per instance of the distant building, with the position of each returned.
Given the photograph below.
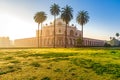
(26, 42)
(93, 42)
(48, 37)
(5, 42)
(114, 42)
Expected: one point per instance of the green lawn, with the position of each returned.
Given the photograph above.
(60, 64)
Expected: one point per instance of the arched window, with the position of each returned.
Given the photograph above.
(52, 41)
(48, 41)
(44, 41)
(71, 33)
(59, 23)
(47, 32)
(59, 41)
(76, 34)
(59, 30)
(88, 43)
(70, 41)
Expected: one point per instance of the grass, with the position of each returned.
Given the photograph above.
(35, 64)
(98, 68)
(60, 64)
(45, 78)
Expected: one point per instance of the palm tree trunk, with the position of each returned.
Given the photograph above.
(41, 34)
(66, 35)
(54, 31)
(82, 36)
(38, 35)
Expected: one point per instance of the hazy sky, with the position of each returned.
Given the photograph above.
(16, 16)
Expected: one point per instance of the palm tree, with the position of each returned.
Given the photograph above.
(55, 10)
(66, 16)
(39, 18)
(117, 35)
(111, 38)
(82, 18)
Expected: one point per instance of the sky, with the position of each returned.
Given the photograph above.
(16, 17)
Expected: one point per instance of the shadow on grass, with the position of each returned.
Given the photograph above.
(99, 69)
(9, 69)
(49, 55)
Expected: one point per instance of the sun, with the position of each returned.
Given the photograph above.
(13, 26)
(8, 24)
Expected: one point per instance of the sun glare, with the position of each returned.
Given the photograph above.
(12, 26)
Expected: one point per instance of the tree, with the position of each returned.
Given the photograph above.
(66, 16)
(107, 45)
(79, 42)
(111, 38)
(39, 18)
(117, 35)
(55, 10)
(82, 18)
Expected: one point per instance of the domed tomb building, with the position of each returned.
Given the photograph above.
(72, 35)
(48, 37)
(48, 34)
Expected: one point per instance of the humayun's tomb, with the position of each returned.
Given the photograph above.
(48, 37)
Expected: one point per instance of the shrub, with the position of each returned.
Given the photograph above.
(35, 64)
(72, 69)
(8, 58)
(6, 71)
(15, 61)
(32, 78)
(58, 70)
(107, 45)
(113, 52)
(46, 78)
